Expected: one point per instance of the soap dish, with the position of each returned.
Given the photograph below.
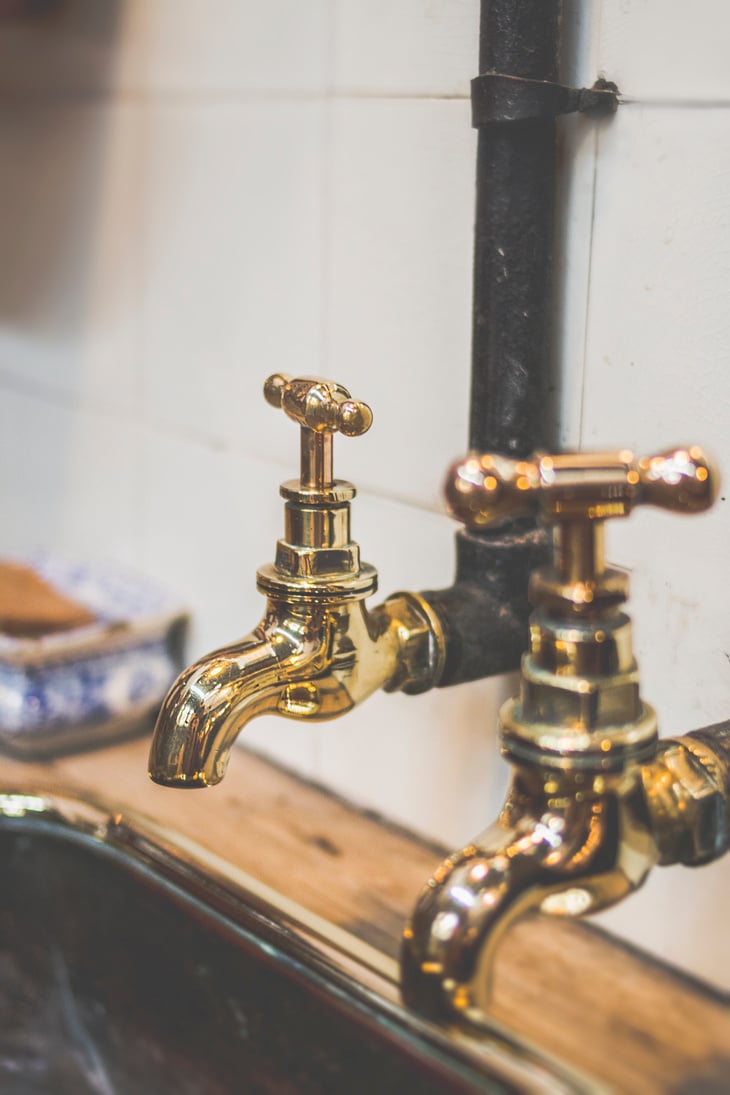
(82, 688)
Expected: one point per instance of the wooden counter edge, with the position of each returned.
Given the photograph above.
(568, 987)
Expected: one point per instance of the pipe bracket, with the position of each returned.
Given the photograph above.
(499, 98)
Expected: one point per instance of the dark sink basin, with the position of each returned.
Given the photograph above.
(128, 964)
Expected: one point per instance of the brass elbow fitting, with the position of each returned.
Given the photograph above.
(595, 800)
(687, 788)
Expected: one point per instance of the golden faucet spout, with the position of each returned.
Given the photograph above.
(211, 702)
(563, 846)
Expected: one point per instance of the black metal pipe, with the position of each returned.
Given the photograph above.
(716, 739)
(485, 612)
(513, 242)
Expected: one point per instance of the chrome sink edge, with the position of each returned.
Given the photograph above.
(248, 908)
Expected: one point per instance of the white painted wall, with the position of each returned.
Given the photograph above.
(195, 194)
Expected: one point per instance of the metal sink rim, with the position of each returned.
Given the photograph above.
(267, 921)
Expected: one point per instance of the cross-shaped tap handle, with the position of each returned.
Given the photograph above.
(576, 493)
(485, 489)
(322, 408)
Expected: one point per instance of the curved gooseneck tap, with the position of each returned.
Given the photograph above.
(318, 650)
(211, 702)
(595, 800)
(563, 845)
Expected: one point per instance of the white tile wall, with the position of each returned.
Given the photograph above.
(424, 48)
(233, 237)
(70, 194)
(70, 480)
(395, 328)
(656, 375)
(575, 212)
(665, 51)
(275, 48)
(195, 195)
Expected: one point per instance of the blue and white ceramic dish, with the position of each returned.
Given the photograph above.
(77, 689)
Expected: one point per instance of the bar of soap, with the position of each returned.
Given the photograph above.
(30, 607)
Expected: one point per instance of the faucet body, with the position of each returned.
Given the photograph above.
(303, 661)
(596, 800)
(318, 650)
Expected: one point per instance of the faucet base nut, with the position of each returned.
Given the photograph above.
(318, 588)
(604, 749)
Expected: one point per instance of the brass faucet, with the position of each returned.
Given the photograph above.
(318, 650)
(596, 800)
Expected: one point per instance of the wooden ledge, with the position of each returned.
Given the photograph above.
(567, 987)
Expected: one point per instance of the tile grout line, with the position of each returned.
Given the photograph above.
(595, 60)
(55, 397)
(674, 104)
(61, 97)
(315, 760)
(205, 96)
